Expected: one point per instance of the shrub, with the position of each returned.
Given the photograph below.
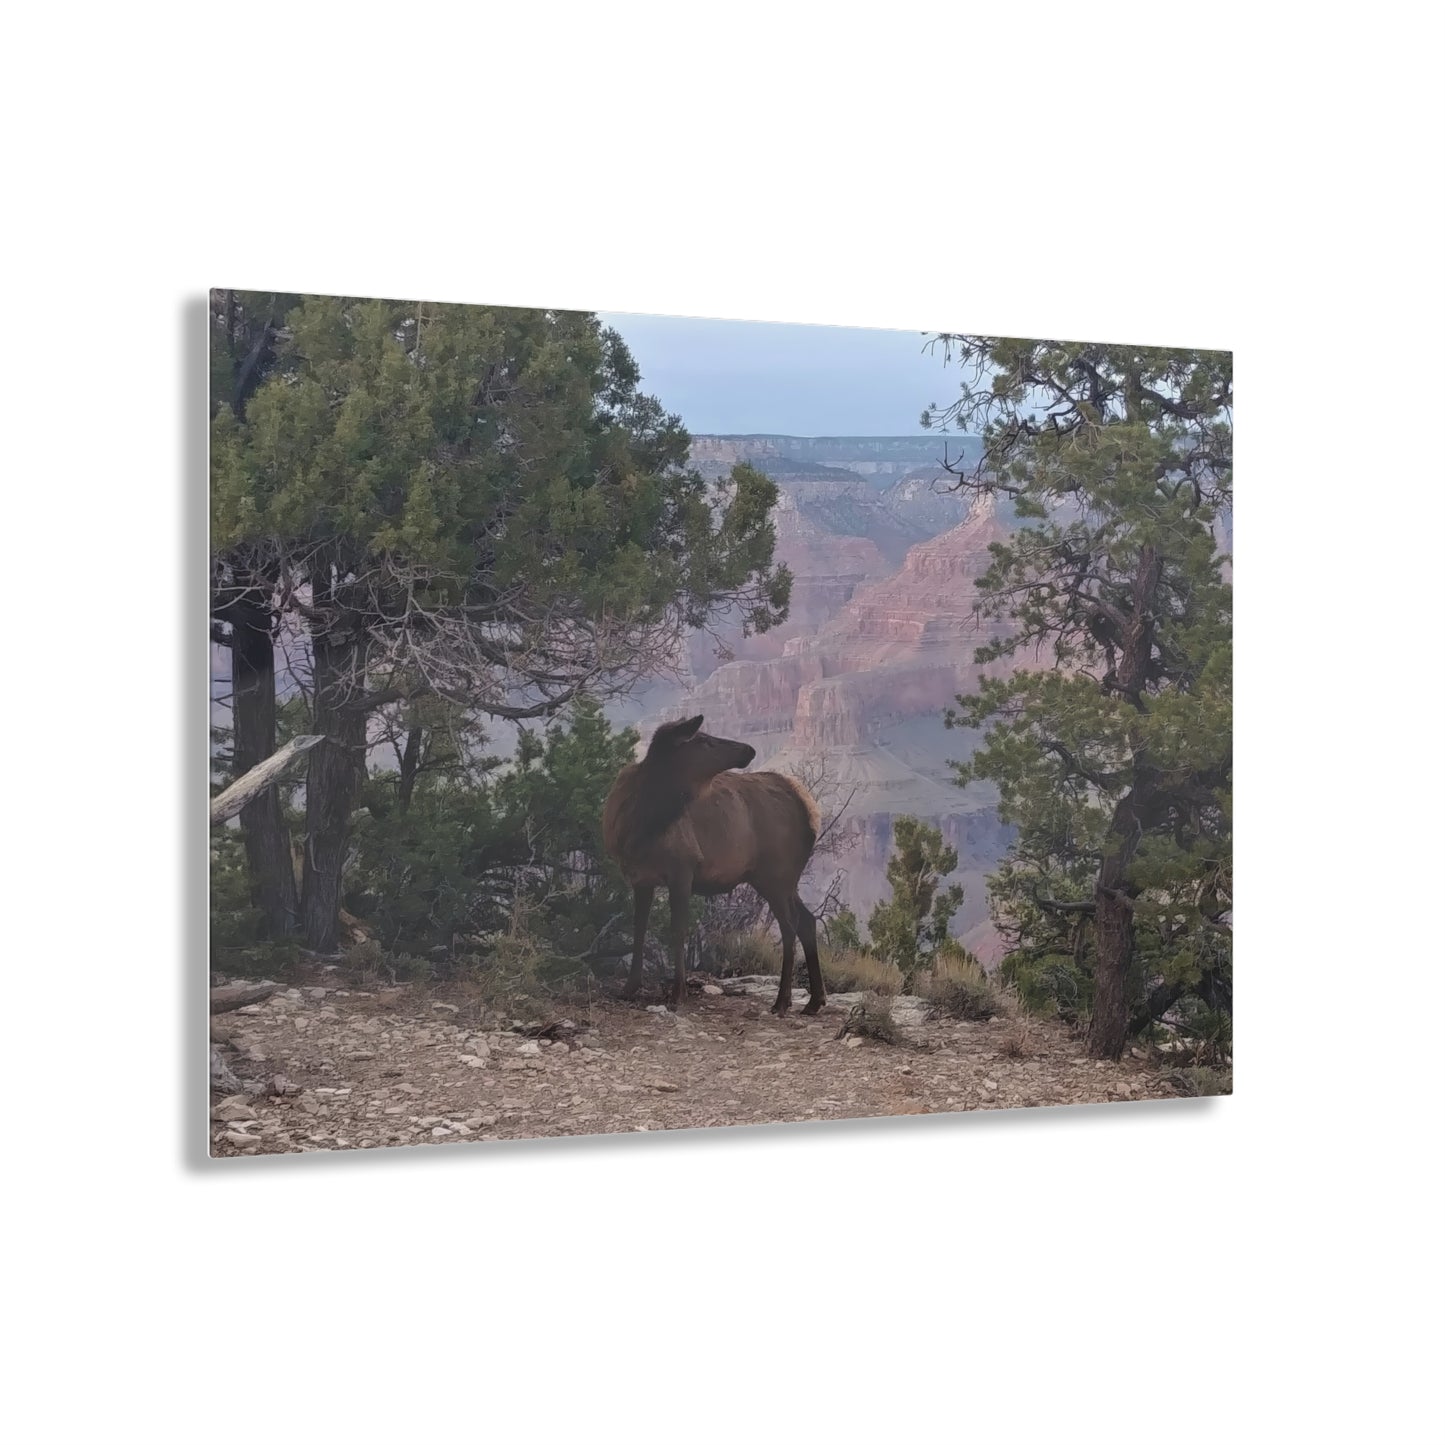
(235, 923)
(365, 959)
(912, 925)
(849, 970)
(958, 986)
(841, 932)
(1209, 1031)
(1017, 1043)
(1049, 984)
(872, 1018)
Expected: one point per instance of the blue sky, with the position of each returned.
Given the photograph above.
(759, 376)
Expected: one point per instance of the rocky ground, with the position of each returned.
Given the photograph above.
(331, 1067)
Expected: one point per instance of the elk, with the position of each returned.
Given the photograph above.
(681, 820)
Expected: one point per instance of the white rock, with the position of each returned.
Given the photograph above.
(712, 990)
(233, 1109)
(530, 1049)
(853, 1041)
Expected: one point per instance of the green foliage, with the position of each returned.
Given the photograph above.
(476, 506)
(1208, 1033)
(491, 458)
(1050, 984)
(241, 352)
(234, 922)
(908, 928)
(1114, 763)
(841, 932)
(238, 944)
(476, 839)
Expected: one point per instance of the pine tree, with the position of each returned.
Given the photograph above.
(1111, 746)
(912, 925)
(244, 580)
(476, 503)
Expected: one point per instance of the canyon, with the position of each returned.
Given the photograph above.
(851, 691)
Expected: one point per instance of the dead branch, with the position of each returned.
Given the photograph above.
(252, 784)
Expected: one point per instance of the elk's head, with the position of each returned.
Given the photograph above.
(689, 757)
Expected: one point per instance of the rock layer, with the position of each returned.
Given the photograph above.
(855, 685)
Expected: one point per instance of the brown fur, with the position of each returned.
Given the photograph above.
(681, 820)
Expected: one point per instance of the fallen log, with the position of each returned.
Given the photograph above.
(238, 995)
(250, 785)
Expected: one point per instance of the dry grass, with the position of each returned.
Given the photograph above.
(846, 970)
(733, 954)
(960, 988)
(872, 1018)
(1018, 1042)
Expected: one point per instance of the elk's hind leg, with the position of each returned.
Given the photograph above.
(641, 908)
(808, 934)
(783, 912)
(679, 898)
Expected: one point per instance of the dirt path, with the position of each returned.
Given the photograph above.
(373, 1069)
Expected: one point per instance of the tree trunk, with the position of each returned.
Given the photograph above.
(1113, 907)
(333, 780)
(410, 763)
(263, 828)
(1113, 953)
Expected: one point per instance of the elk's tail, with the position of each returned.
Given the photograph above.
(810, 808)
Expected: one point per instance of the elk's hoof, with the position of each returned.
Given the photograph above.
(813, 1006)
(629, 993)
(781, 1007)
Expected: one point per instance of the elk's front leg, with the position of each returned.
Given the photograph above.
(679, 897)
(641, 909)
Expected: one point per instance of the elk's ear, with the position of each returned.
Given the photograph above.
(669, 735)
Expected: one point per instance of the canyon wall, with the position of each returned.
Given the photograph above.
(879, 641)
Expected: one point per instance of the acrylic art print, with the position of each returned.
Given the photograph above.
(626, 723)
